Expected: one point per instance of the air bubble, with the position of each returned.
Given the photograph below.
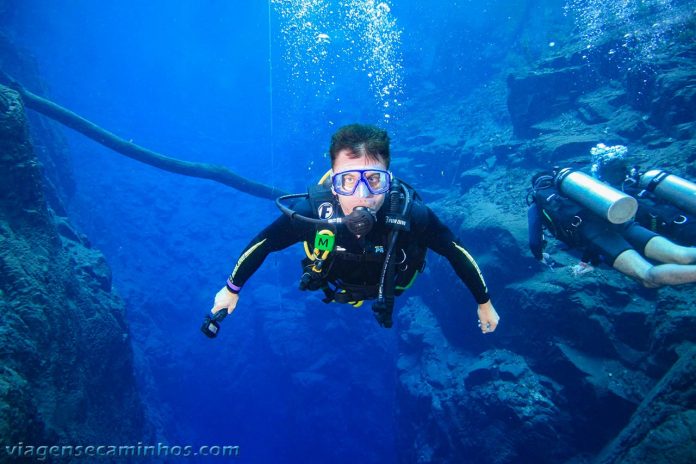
(384, 7)
(598, 19)
(365, 32)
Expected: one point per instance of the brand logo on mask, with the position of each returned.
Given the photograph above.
(325, 210)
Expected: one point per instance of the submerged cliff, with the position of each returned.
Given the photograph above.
(583, 368)
(66, 359)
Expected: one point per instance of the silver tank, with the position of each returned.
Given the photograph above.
(680, 192)
(600, 198)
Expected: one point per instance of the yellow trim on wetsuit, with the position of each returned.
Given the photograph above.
(245, 256)
(408, 285)
(471, 259)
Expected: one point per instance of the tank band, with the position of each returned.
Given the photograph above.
(656, 180)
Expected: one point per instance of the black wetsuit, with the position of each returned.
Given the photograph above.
(579, 228)
(662, 217)
(347, 267)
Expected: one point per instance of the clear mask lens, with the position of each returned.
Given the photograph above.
(348, 182)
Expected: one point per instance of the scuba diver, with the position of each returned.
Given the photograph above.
(666, 203)
(597, 219)
(365, 235)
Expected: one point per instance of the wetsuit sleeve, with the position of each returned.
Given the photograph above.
(439, 238)
(279, 235)
(535, 231)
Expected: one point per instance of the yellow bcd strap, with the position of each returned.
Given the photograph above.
(315, 254)
(318, 254)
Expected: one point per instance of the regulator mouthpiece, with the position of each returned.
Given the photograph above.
(360, 221)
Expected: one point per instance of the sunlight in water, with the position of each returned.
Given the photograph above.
(320, 37)
(645, 26)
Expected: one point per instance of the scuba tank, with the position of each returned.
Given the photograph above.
(680, 192)
(608, 202)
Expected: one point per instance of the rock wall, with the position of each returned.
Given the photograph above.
(590, 368)
(49, 145)
(66, 358)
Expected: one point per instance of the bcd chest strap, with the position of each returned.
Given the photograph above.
(318, 262)
(322, 201)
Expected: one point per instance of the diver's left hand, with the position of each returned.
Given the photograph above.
(488, 317)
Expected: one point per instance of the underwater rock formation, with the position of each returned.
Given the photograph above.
(462, 407)
(578, 98)
(583, 368)
(574, 362)
(66, 360)
(663, 428)
(49, 144)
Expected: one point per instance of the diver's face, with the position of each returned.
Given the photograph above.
(362, 196)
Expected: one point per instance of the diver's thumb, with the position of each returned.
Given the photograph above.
(231, 307)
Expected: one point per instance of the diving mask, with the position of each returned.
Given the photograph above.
(377, 181)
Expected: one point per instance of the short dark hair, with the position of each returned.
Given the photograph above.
(362, 140)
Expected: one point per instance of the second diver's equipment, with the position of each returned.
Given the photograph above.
(608, 202)
(680, 192)
(211, 325)
(559, 214)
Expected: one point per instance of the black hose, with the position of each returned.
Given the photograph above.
(87, 128)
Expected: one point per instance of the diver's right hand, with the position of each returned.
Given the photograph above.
(225, 300)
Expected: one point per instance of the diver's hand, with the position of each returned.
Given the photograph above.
(488, 317)
(225, 300)
(548, 260)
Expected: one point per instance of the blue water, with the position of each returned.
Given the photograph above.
(192, 80)
(289, 380)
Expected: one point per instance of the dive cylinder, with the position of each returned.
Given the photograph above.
(600, 198)
(680, 192)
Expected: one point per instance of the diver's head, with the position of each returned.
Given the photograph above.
(609, 163)
(359, 163)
